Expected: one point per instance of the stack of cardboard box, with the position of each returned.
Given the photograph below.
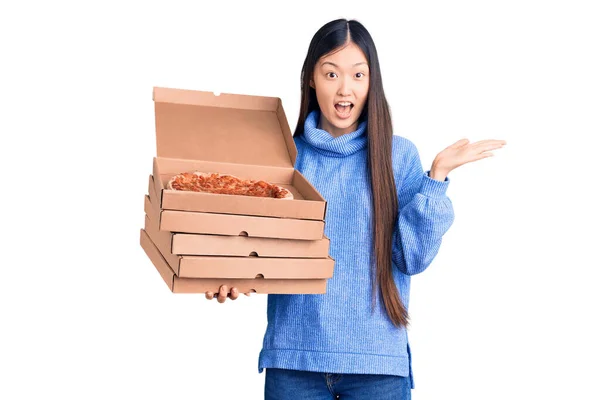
(200, 241)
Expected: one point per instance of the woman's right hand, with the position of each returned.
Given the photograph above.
(224, 293)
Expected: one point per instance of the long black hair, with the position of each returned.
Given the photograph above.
(329, 38)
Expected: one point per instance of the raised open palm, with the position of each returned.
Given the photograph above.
(463, 152)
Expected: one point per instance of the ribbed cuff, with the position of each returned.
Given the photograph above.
(434, 188)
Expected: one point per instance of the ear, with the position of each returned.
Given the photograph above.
(311, 83)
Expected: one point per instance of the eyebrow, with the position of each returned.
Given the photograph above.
(355, 65)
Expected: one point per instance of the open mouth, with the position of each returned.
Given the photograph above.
(344, 108)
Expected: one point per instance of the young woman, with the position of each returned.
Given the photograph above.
(385, 220)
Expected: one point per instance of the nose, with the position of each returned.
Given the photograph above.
(345, 88)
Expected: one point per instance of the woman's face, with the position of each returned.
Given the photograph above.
(341, 81)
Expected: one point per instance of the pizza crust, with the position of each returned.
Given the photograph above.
(288, 196)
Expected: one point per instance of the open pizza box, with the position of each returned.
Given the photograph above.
(303, 266)
(228, 245)
(235, 225)
(201, 285)
(241, 135)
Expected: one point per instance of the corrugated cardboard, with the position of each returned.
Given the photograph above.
(242, 135)
(221, 245)
(236, 225)
(234, 267)
(218, 245)
(255, 244)
(196, 285)
(226, 224)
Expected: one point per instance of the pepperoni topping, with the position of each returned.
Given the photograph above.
(226, 184)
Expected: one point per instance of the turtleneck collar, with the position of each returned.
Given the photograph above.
(341, 146)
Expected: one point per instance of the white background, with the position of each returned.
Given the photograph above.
(507, 310)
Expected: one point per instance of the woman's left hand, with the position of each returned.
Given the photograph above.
(462, 152)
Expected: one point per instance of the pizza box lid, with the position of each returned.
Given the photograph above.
(231, 128)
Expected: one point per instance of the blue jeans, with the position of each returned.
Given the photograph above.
(283, 384)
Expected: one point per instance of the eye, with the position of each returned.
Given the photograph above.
(359, 75)
(329, 75)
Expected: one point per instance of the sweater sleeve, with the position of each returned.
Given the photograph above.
(425, 214)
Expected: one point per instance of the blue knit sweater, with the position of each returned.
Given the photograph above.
(336, 332)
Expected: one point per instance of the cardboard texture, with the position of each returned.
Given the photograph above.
(236, 225)
(224, 224)
(245, 136)
(200, 241)
(235, 267)
(196, 285)
(220, 245)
